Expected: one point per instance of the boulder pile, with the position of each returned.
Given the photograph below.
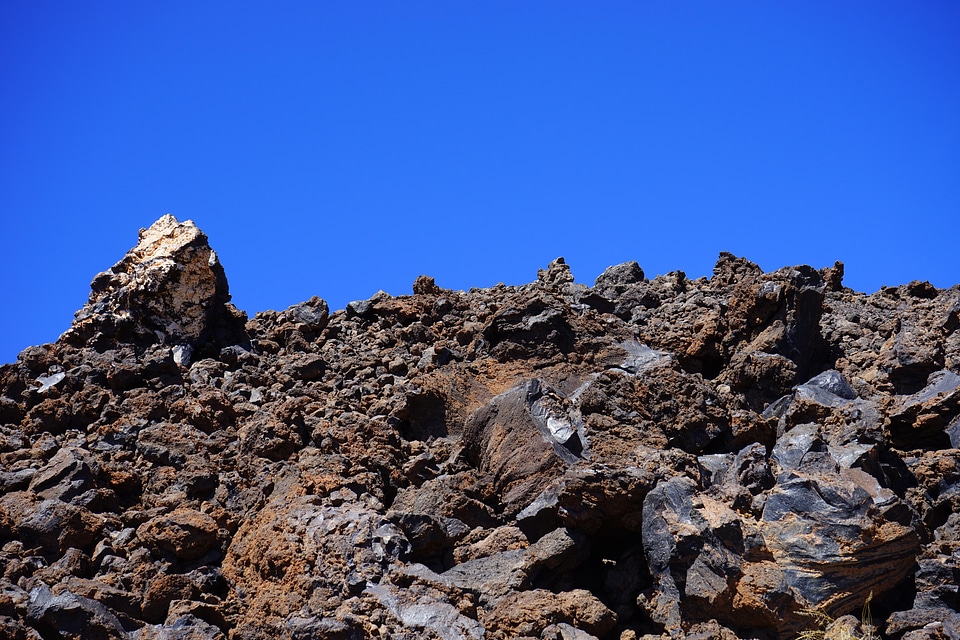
(742, 456)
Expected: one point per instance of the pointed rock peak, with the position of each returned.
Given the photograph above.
(426, 286)
(620, 275)
(169, 289)
(730, 270)
(164, 238)
(556, 274)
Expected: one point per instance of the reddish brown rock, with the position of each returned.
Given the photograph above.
(185, 533)
(164, 589)
(523, 438)
(53, 525)
(528, 613)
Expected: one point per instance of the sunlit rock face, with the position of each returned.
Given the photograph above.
(169, 289)
(643, 458)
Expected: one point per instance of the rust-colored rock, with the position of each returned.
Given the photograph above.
(185, 533)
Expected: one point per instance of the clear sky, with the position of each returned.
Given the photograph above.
(338, 148)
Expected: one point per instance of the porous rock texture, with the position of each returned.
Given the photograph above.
(642, 458)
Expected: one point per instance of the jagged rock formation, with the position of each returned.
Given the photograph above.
(663, 458)
(169, 290)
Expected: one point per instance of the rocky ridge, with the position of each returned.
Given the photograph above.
(642, 458)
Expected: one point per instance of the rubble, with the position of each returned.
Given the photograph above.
(644, 458)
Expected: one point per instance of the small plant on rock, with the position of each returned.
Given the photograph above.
(843, 628)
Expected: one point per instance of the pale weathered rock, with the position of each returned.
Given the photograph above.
(169, 289)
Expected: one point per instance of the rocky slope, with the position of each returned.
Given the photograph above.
(645, 457)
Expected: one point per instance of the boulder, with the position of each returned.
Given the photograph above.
(828, 535)
(524, 438)
(72, 617)
(185, 533)
(169, 289)
(576, 614)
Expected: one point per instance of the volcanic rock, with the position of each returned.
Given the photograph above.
(644, 458)
(169, 289)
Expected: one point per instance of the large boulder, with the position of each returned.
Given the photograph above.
(524, 438)
(169, 289)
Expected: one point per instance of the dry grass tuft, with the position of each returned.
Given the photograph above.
(844, 628)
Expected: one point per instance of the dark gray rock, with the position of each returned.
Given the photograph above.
(306, 367)
(311, 316)
(537, 326)
(621, 290)
(310, 628)
(237, 356)
(358, 307)
(923, 418)
(564, 631)
(641, 358)
(186, 627)
(619, 276)
(447, 496)
(542, 515)
(841, 420)
(831, 541)
(429, 536)
(915, 355)
(925, 623)
(667, 503)
(432, 615)
(65, 477)
(16, 480)
(953, 433)
(494, 576)
(802, 449)
(698, 552)
(832, 382)
(70, 616)
(57, 526)
(714, 468)
(752, 469)
(937, 581)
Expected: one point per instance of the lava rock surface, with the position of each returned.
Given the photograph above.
(644, 458)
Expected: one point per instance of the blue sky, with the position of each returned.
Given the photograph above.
(335, 149)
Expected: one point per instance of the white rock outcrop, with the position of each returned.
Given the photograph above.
(169, 289)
